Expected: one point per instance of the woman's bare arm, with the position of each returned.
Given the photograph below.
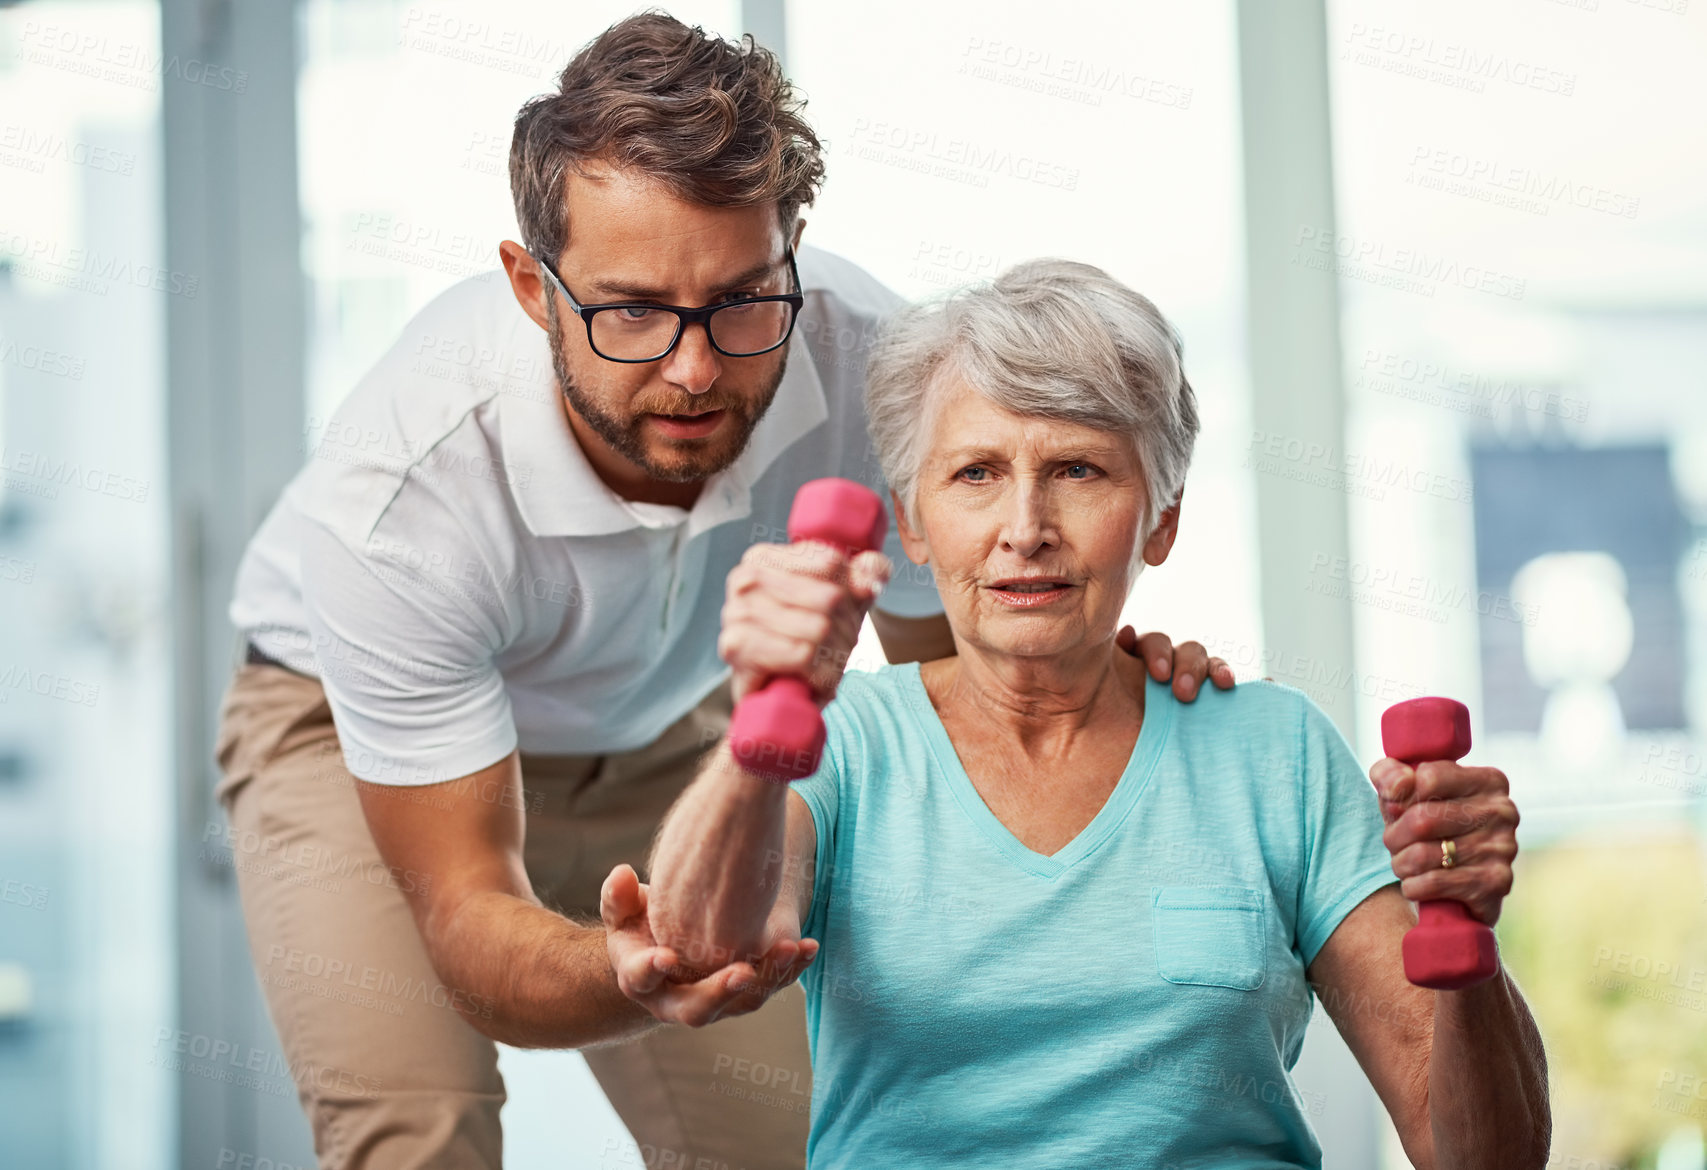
(733, 841)
(728, 847)
(1462, 1073)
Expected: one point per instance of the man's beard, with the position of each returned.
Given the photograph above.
(684, 464)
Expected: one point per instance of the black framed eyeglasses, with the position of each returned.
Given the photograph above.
(642, 331)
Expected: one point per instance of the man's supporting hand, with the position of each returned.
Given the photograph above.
(654, 976)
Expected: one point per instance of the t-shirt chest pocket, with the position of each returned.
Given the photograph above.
(1211, 936)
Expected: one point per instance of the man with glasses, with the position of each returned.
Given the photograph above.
(481, 628)
(645, 332)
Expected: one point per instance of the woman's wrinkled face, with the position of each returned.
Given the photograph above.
(1030, 525)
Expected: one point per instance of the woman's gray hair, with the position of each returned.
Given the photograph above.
(1050, 339)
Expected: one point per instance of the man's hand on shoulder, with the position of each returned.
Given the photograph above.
(1188, 664)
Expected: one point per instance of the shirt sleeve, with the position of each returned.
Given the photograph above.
(407, 664)
(1344, 859)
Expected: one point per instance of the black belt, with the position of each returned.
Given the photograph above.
(254, 656)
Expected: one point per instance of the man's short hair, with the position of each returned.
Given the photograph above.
(712, 121)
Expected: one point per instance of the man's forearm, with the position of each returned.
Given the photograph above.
(717, 864)
(1488, 1102)
(530, 977)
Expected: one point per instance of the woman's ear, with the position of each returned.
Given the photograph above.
(1161, 540)
(912, 542)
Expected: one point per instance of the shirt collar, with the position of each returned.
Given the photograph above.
(559, 494)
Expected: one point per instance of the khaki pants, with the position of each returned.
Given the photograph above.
(388, 1072)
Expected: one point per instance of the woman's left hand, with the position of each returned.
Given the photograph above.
(1437, 802)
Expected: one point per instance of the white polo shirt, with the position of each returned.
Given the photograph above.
(451, 568)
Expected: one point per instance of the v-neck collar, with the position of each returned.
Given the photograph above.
(1158, 718)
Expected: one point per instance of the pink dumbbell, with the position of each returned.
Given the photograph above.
(776, 731)
(1446, 949)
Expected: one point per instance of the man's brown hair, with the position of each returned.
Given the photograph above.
(713, 121)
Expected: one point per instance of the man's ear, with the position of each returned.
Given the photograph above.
(526, 281)
(912, 542)
(1161, 541)
(799, 226)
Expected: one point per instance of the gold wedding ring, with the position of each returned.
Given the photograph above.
(1448, 853)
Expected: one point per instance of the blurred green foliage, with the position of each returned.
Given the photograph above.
(1606, 934)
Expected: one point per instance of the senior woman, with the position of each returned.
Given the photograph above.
(1051, 915)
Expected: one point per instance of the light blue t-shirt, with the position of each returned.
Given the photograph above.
(1135, 1000)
